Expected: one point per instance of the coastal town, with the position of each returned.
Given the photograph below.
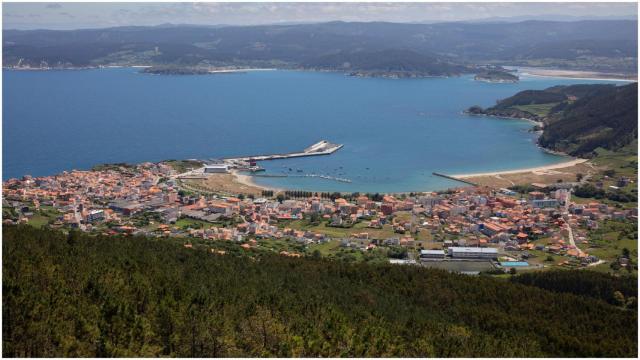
(320, 180)
(467, 229)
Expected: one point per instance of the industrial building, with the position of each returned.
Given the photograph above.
(216, 169)
(431, 254)
(473, 253)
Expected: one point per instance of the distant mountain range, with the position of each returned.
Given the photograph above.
(433, 49)
(577, 119)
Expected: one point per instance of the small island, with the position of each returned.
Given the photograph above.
(496, 76)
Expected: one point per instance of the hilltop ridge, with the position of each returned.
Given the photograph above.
(604, 45)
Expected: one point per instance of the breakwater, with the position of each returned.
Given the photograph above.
(322, 147)
(454, 178)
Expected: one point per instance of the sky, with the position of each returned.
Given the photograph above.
(64, 16)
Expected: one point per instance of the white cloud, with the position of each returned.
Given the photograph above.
(114, 14)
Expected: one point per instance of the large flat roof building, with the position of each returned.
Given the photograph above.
(216, 168)
(473, 252)
(432, 254)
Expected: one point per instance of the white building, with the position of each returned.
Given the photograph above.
(431, 254)
(216, 169)
(473, 253)
(563, 196)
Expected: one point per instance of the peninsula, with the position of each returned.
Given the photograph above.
(577, 119)
(496, 76)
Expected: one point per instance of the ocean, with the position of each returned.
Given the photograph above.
(396, 132)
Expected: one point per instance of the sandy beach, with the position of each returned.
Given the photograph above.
(245, 180)
(238, 70)
(575, 74)
(248, 181)
(561, 165)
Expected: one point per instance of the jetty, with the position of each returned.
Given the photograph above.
(322, 147)
(454, 178)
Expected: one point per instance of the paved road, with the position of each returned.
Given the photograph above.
(572, 241)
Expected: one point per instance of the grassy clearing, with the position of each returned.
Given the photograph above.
(43, 216)
(361, 227)
(326, 248)
(185, 223)
(612, 166)
(620, 159)
(338, 232)
(537, 109)
(540, 258)
(38, 220)
(611, 238)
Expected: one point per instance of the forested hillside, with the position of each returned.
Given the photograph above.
(577, 119)
(608, 46)
(400, 63)
(616, 290)
(607, 118)
(79, 295)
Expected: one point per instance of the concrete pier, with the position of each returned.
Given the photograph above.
(320, 148)
(454, 178)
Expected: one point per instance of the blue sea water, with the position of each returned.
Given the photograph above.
(395, 132)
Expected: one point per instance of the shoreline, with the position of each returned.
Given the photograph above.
(248, 181)
(538, 123)
(573, 74)
(523, 71)
(561, 165)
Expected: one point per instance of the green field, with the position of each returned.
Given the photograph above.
(615, 236)
(38, 220)
(360, 227)
(185, 223)
(537, 109)
(338, 232)
(43, 216)
(620, 159)
(616, 164)
(326, 248)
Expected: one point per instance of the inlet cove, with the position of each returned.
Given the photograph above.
(395, 132)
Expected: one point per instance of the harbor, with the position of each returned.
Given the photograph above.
(250, 165)
(326, 177)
